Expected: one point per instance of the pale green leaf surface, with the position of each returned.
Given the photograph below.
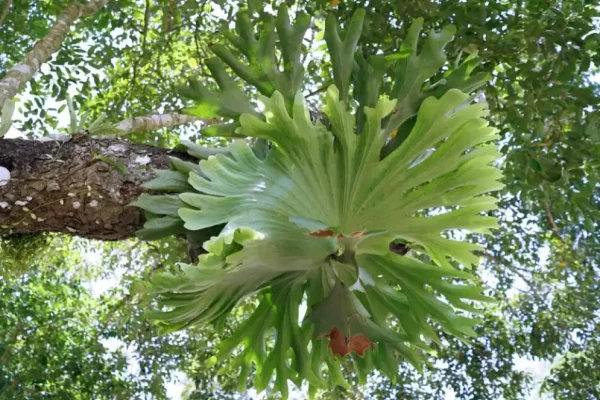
(307, 185)
(315, 217)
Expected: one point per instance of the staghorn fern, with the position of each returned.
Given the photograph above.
(317, 217)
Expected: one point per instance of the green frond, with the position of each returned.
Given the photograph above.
(310, 221)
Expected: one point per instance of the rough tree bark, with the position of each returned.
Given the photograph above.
(62, 187)
(154, 122)
(16, 77)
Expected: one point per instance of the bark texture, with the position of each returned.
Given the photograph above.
(62, 187)
(154, 122)
(16, 77)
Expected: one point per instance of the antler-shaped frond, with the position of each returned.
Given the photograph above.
(314, 219)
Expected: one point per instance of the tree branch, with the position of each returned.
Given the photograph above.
(145, 29)
(5, 11)
(15, 78)
(551, 219)
(529, 280)
(56, 186)
(322, 88)
(71, 191)
(154, 122)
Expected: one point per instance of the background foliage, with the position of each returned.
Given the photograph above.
(542, 264)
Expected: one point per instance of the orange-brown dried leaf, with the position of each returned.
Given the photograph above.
(340, 346)
(322, 233)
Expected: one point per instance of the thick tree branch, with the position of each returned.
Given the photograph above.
(154, 122)
(15, 78)
(64, 187)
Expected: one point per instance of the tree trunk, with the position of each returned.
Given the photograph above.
(64, 187)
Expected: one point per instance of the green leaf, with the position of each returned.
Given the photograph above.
(261, 71)
(231, 102)
(168, 181)
(346, 273)
(222, 130)
(161, 205)
(535, 165)
(342, 51)
(158, 228)
(203, 153)
(412, 72)
(184, 167)
(460, 78)
(368, 79)
(139, 287)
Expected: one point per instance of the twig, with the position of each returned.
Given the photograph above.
(551, 219)
(309, 46)
(319, 90)
(514, 269)
(136, 64)
(146, 23)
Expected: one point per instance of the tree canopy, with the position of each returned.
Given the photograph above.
(533, 63)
